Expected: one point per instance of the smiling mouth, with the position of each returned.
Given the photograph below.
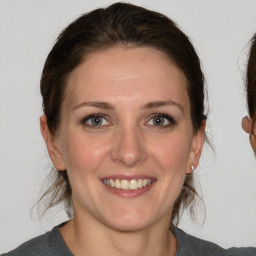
(124, 184)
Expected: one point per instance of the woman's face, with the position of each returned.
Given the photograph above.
(126, 137)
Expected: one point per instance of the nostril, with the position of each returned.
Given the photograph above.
(128, 151)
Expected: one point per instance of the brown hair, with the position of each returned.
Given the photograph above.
(125, 25)
(251, 79)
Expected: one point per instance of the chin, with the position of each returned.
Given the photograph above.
(130, 226)
(129, 222)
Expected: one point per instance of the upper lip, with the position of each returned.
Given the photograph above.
(128, 177)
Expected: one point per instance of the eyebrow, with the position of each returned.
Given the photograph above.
(105, 105)
(95, 104)
(157, 104)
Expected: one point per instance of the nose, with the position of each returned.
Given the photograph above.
(129, 148)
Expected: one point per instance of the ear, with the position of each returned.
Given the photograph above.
(247, 124)
(196, 148)
(51, 143)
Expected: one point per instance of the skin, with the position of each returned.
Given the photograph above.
(129, 82)
(248, 125)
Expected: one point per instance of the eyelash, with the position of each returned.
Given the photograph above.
(170, 119)
(98, 115)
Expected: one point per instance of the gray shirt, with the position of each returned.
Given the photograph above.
(52, 244)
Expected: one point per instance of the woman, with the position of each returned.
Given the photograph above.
(248, 123)
(124, 125)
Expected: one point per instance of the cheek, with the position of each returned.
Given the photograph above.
(171, 152)
(83, 153)
(253, 142)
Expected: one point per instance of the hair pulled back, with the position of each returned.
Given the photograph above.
(251, 79)
(119, 25)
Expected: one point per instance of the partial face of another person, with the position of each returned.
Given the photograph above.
(126, 137)
(248, 122)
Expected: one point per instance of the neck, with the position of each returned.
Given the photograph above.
(87, 238)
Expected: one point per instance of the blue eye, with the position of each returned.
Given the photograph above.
(161, 120)
(95, 120)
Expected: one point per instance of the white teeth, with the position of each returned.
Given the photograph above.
(117, 184)
(144, 183)
(112, 183)
(139, 183)
(127, 184)
(133, 184)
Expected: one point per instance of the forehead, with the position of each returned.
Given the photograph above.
(143, 74)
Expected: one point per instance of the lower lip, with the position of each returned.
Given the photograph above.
(129, 193)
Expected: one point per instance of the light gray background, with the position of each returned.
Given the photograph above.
(220, 31)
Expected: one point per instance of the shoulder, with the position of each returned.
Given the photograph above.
(35, 246)
(190, 245)
(51, 243)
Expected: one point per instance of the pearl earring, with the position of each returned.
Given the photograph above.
(192, 168)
